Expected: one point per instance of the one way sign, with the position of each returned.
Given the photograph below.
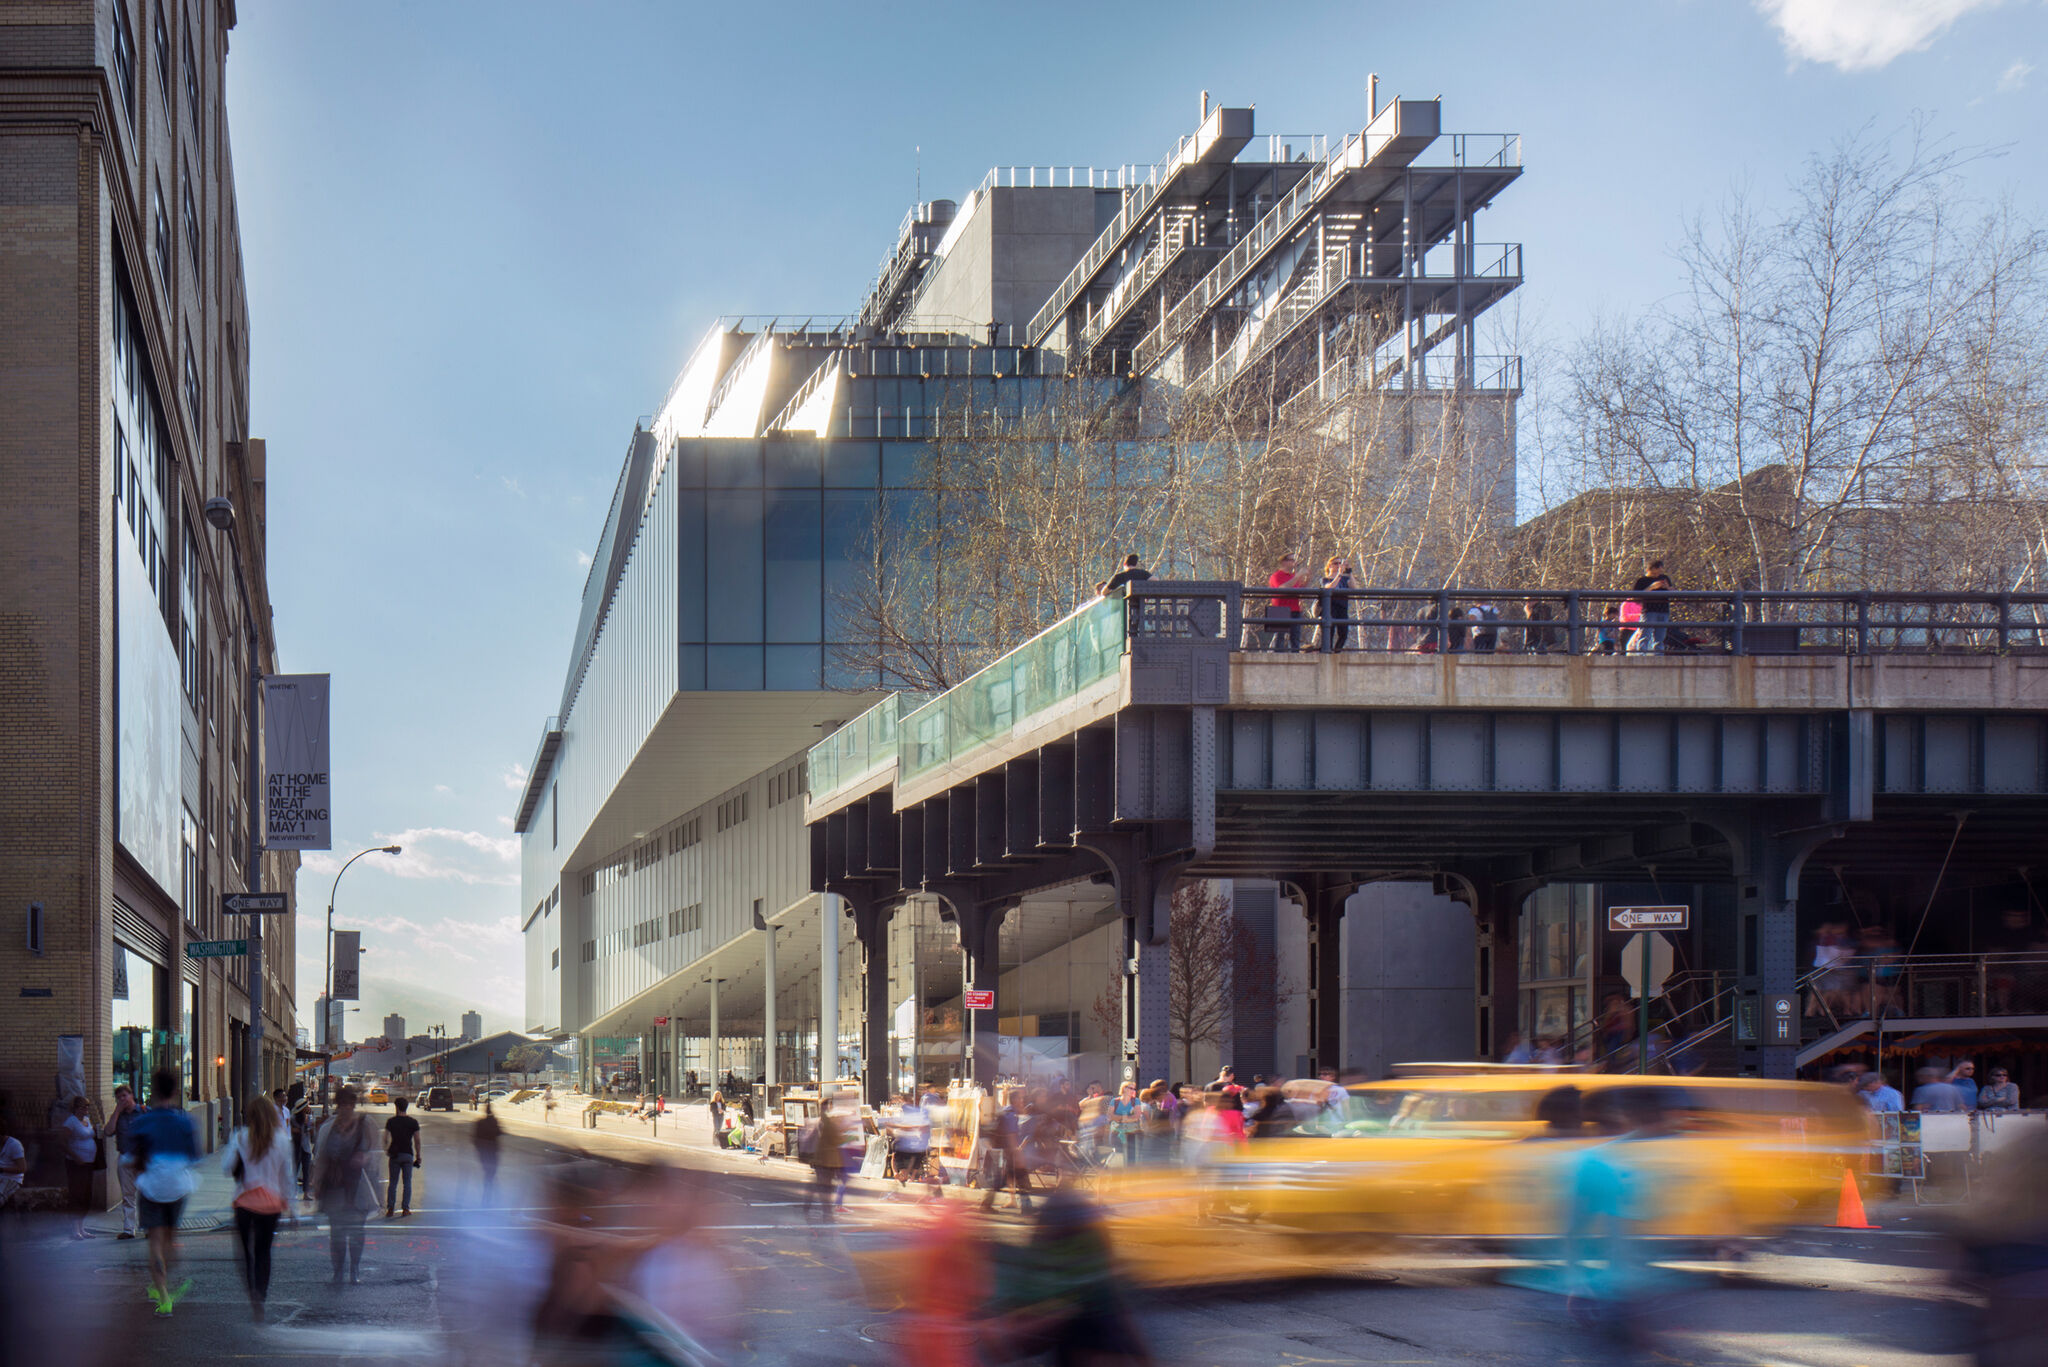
(252, 903)
(1649, 918)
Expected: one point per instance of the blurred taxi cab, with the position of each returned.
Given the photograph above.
(1484, 1155)
(376, 1095)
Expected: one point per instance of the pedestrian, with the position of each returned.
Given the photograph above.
(166, 1144)
(1879, 1096)
(718, 1119)
(81, 1159)
(1519, 1051)
(284, 1112)
(1123, 1113)
(1655, 587)
(1610, 631)
(911, 1146)
(486, 1134)
(403, 1152)
(548, 1106)
(2000, 1094)
(1963, 1077)
(1339, 579)
(1131, 573)
(258, 1157)
(302, 1149)
(343, 1185)
(1539, 638)
(828, 1163)
(1285, 609)
(13, 1163)
(120, 1128)
(1486, 634)
(1936, 1094)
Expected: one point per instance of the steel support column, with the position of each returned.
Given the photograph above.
(871, 930)
(1322, 903)
(981, 970)
(1497, 908)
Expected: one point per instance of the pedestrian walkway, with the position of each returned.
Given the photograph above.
(210, 1206)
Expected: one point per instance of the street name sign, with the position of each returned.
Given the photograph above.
(984, 1000)
(215, 949)
(252, 903)
(1649, 918)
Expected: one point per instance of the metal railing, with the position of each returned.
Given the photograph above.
(1625, 622)
(856, 751)
(1874, 986)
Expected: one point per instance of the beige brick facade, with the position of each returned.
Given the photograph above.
(114, 164)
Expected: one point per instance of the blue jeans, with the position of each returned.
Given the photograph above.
(401, 1169)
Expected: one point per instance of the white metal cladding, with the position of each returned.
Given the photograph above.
(764, 856)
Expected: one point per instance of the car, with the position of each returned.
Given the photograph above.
(438, 1099)
(375, 1095)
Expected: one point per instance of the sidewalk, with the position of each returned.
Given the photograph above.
(209, 1207)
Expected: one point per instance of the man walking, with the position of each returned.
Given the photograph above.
(402, 1149)
(1655, 587)
(120, 1127)
(166, 1144)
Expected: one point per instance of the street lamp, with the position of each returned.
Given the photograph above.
(327, 1064)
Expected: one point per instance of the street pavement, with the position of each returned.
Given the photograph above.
(457, 1281)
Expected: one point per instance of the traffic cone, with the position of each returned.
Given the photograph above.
(1849, 1210)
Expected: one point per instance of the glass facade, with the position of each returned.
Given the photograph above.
(1558, 956)
(138, 1016)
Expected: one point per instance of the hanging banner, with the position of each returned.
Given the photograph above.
(348, 959)
(295, 762)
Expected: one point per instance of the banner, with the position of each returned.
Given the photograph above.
(348, 955)
(295, 762)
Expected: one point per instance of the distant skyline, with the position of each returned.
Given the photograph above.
(481, 239)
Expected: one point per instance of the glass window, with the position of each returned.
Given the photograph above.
(791, 464)
(690, 566)
(852, 665)
(189, 1029)
(162, 40)
(123, 43)
(794, 668)
(734, 567)
(732, 668)
(852, 464)
(732, 464)
(137, 1018)
(690, 669)
(906, 464)
(794, 586)
(688, 459)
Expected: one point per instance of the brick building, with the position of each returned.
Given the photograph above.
(125, 632)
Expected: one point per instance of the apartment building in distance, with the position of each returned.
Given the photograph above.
(128, 625)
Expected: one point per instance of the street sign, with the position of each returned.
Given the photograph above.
(215, 949)
(660, 1021)
(252, 903)
(1661, 962)
(981, 1000)
(1649, 918)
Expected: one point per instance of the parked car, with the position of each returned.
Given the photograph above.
(439, 1099)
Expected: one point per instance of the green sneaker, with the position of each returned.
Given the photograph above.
(171, 1298)
(156, 1297)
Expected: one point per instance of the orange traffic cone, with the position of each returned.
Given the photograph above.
(1849, 1211)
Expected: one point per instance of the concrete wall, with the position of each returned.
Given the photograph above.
(1006, 255)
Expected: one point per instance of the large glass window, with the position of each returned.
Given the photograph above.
(794, 580)
(793, 668)
(189, 1029)
(734, 566)
(137, 1017)
(732, 668)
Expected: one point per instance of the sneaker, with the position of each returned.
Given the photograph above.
(125, 1234)
(156, 1297)
(171, 1298)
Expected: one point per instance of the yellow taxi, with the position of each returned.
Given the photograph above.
(375, 1095)
(1483, 1156)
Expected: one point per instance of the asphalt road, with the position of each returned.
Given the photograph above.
(456, 1282)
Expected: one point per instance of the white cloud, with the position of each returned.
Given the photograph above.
(514, 778)
(442, 788)
(583, 559)
(512, 485)
(2015, 76)
(436, 852)
(1861, 35)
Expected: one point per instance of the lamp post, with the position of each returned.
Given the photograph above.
(327, 1064)
(220, 515)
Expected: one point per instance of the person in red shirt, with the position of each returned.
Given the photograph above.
(1286, 637)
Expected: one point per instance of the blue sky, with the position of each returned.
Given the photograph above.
(481, 238)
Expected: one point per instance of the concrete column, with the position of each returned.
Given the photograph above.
(772, 1072)
(831, 906)
(712, 1060)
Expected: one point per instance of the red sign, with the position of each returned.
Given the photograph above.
(661, 1020)
(981, 1001)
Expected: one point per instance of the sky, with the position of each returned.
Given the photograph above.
(481, 238)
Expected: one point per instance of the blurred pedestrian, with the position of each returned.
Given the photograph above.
(1069, 1301)
(486, 1134)
(1539, 637)
(120, 1126)
(258, 1157)
(302, 1148)
(1879, 1096)
(827, 1158)
(1123, 1120)
(1963, 1077)
(167, 1145)
(1936, 1094)
(81, 1139)
(718, 1119)
(13, 1163)
(343, 1185)
(402, 1152)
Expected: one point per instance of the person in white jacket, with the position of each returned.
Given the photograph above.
(259, 1158)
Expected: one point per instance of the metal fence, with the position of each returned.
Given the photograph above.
(1624, 622)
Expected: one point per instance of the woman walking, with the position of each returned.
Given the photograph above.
(81, 1156)
(341, 1180)
(718, 1120)
(259, 1158)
